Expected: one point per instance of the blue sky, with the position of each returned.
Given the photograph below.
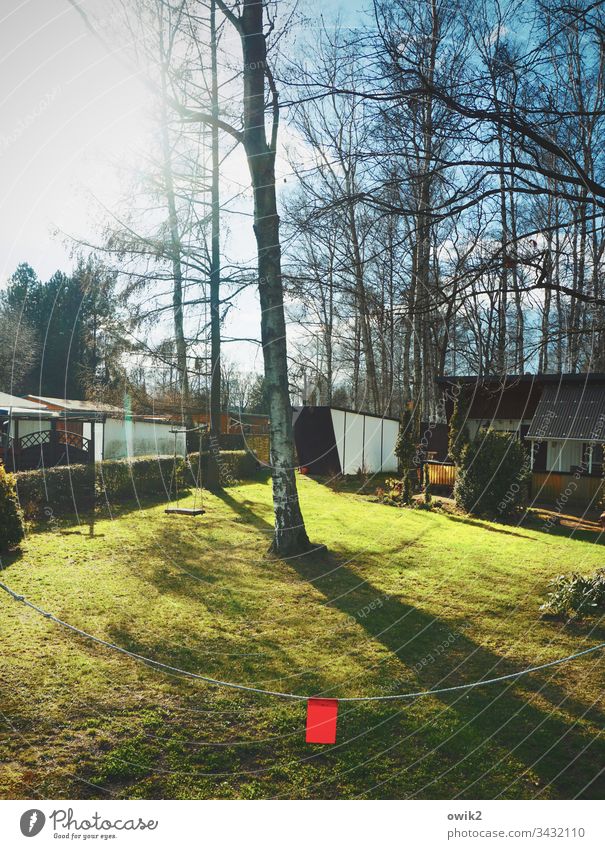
(70, 112)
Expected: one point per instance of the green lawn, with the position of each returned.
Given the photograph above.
(405, 600)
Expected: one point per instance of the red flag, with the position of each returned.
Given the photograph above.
(321, 720)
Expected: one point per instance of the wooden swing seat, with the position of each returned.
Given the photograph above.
(185, 511)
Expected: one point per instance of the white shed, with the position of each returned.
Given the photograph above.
(332, 440)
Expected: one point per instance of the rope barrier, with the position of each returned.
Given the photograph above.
(156, 664)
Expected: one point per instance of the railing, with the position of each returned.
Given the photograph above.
(547, 487)
(73, 440)
(30, 440)
(45, 437)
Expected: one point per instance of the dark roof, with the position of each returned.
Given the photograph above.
(508, 397)
(508, 379)
(570, 412)
(511, 396)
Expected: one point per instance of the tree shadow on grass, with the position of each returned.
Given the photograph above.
(248, 510)
(487, 526)
(562, 753)
(7, 558)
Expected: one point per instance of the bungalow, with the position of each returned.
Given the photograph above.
(560, 418)
(40, 431)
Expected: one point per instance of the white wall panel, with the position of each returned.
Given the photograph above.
(372, 453)
(338, 423)
(32, 426)
(126, 438)
(353, 448)
(562, 455)
(390, 432)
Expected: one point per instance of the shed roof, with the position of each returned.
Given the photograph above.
(75, 406)
(297, 409)
(570, 412)
(7, 401)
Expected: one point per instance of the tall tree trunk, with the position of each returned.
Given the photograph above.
(290, 536)
(362, 307)
(175, 248)
(213, 475)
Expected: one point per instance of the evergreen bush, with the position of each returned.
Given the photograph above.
(493, 475)
(458, 436)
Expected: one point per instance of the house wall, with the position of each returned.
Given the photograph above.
(352, 458)
(30, 426)
(128, 438)
(561, 455)
(507, 425)
(390, 432)
(365, 442)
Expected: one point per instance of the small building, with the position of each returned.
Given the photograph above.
(39, 431)
(333, 440)
(560, 418)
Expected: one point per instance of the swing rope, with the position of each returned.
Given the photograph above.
(156, 664)
(199, 429)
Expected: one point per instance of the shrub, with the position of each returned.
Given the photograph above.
(576, 595)
(144, 476)
(407, 438)
(66, 489)
(458, 437)
(11, 517)
(233, 466)
(493, 475)
(393, 492)
(60, 489)
(427, 484)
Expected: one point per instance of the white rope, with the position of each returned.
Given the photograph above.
(217, 682)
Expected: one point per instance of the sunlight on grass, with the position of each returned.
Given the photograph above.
(405, 600)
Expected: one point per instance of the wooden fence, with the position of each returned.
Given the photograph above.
(550, 488)
(259, 444)
(558, 487)
(442, 474)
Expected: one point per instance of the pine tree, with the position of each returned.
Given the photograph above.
(406, 449)
(458, 436)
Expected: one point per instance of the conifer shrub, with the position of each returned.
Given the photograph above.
(493, 474)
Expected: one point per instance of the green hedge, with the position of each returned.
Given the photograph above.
(142, 477)
(233, 465)
(61, 489)
(65, 489)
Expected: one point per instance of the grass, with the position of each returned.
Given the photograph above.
(405, 600)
